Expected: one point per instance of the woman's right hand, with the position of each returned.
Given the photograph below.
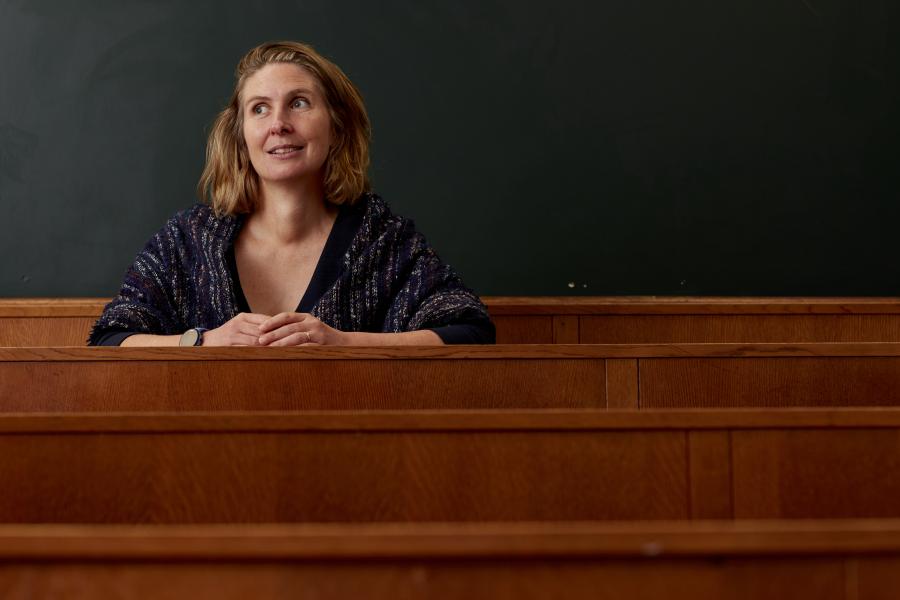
(242, 330)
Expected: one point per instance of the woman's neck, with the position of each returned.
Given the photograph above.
(290, 214)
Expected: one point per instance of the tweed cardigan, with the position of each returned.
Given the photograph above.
(390, 280)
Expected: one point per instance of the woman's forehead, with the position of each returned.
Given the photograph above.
(274, 79)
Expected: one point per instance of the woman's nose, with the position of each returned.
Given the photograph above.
(280, 125)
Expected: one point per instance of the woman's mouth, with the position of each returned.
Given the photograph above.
(284, 151)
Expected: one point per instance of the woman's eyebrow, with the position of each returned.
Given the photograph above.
(291, 93)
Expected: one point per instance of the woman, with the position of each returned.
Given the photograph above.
(289, 215)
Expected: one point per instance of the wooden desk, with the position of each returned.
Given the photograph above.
(512, 376)
(48, 321)
(450, 466)
(846, 560)
(566, 320)
(693, 319)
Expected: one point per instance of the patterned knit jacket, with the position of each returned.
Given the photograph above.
(390, 280)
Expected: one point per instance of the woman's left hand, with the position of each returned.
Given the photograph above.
(299, 329)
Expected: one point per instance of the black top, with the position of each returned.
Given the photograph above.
(326, 273)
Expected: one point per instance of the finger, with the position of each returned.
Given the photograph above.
(280, 320)
(282, 332)
(248, 330)
(295, 339)
(253, 318)
(244, 339)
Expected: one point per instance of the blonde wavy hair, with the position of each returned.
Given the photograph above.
(229, 182)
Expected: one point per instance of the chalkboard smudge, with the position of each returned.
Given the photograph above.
(811, 8)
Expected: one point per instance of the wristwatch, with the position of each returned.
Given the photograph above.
(192, 337)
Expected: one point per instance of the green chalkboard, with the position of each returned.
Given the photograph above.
(618, 147)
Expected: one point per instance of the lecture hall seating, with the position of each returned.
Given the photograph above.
(329, 473)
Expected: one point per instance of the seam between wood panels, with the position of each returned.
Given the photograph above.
(851, 579)
(731, 475)
(637, 368)
(606, 380)
(687, 469)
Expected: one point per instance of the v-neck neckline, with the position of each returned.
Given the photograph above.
(328, 268)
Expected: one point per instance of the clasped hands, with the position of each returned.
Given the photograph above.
(283, 329)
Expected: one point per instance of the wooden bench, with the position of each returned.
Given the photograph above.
(547, 320)
(846, 560)
(450, 466)
(681, 320)
(511, 376)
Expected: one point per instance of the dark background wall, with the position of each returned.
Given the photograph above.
(619, 146)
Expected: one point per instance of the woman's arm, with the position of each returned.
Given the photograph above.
(242, 330)
(407, 338)
(146, 339)
(346, 338)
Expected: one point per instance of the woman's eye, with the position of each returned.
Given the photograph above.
(259, 109)
(299, 103)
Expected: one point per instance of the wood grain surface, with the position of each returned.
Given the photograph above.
(525, 329)
(109, 380)
(301, 476)
(449, 466)
(487, 352)
(545, 320)
(769, 382)
(503, 376)
(490, 539)
(812, 559)
(739, 328)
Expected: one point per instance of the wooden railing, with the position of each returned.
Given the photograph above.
(848, 560)
(550, 320)
(463, 377)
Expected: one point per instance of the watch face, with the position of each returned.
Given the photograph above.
(189, 338)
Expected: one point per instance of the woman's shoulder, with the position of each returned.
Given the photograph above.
(380, 229)
(378, 217)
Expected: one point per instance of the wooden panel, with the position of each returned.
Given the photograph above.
(52, 307)
(45, 331)
(524, 329)
(135, 469)
(449, 466)
(818, 579)
(565, 329)
(879, 578)
(769, 382)
(622, 383)
(709, 474)
(511, 376)
(154, 385)
(816, 473)
(688, 305)
(585, 560)
(487, 351)
(659, 329)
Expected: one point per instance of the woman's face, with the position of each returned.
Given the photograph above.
(287, 127)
